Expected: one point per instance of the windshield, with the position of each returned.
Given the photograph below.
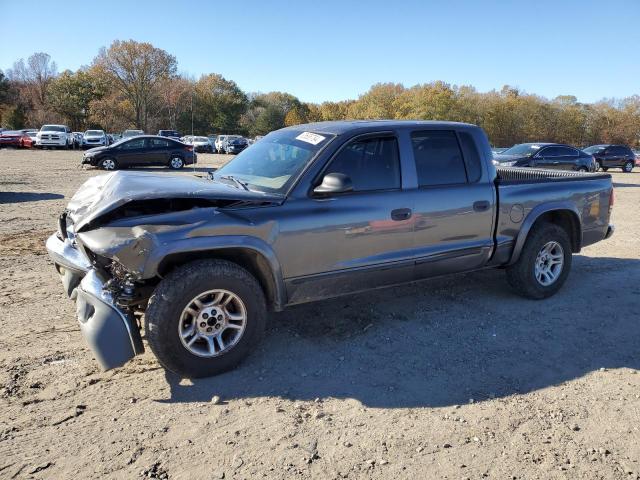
(200, 139)
(524, 149)
(594, 149)
(94, 132)
(273, 163)
(52, 128)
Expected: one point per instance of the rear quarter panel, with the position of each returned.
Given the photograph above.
(521, 203)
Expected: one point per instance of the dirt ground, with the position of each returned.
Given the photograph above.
(451, 378)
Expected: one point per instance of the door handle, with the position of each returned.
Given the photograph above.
(481, 206)
(401, 214)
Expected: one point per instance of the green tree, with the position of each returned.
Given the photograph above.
(71, 95)
(218, 106)
(136, 71)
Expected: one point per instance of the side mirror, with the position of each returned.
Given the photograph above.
(334, 183)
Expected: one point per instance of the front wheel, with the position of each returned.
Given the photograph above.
(176, 163)
(108, 164)
(628, 167)
(544, 263)
(205, 317)
(598, 166)
(583, 169)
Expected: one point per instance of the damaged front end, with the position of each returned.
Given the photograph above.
(104, 249)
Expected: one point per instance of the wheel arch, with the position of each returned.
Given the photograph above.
(563, 215)
(258, 260)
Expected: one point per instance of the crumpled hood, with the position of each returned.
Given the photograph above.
(104, 193)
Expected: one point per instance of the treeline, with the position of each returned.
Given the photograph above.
(136, 85)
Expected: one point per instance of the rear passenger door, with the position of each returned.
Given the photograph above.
(567, 158)
(615, 156)
(548, 157)
(159, 150)
(454, 208)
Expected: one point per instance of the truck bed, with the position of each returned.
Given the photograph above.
(510, 175)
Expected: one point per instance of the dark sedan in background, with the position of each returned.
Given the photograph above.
(546, 155)
(236, 145)
(612, 156)
(141, 151)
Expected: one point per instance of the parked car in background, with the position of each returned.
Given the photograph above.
(132, 133)
(141, 151)
(309, 213)
(612, 156)
(224, 141)
(235, 144)
(170, 134)
(546, 155)
(78, 139)
(115, 137)
(212, 139)
(95, 138)
(637, 154)
(55, 136)
(16, 139)
(219, 144)
(200, 144)
(33, 135)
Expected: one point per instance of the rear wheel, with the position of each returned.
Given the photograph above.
(108, 164)
(628, 167)
(205, 317)
(544, 263)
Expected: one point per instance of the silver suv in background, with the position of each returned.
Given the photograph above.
(94, 138)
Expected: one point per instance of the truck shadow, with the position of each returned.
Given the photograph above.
(20, 197)
(441, 342)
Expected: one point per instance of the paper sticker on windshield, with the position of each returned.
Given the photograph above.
(312, 138)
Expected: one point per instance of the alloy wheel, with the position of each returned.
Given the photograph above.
(212, 323)
(549, 263)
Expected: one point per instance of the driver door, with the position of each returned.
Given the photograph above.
(339, 243)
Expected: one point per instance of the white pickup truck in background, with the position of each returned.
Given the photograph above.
(58, 136)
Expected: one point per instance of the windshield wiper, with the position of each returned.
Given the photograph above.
(235, 180)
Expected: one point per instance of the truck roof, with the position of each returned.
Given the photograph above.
(343, 126)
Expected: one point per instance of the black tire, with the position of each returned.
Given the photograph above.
(628, 167)
(583, 169)
(521, 275)
(109, 164)
(598, 166)
(176, 163)
(177, 290)
(605, 169)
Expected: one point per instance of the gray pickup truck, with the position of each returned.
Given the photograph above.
(308, 213)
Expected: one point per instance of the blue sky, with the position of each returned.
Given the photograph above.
(335, 50)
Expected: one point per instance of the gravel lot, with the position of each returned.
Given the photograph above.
(451, 378)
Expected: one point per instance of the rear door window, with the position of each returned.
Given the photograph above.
(438, 158)
(159, 143)
(566, 152)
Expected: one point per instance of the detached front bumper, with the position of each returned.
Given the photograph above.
(111, 332)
